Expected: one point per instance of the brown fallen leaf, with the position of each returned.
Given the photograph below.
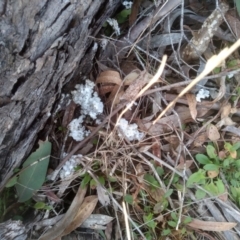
(167, 124)
(192, 103)
(68, 114)
(85, 210)
(212, 174)
(156, 193)
(58, 229)
(213, 133)
(211, 226)
(200, 139)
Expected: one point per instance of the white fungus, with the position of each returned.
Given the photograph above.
(114, 24)
(127, 4)
(203, 93)
(89, 101)
(68, 167)
(77, 131)
(129, 130)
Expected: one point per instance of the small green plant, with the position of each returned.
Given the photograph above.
(227, 162)
(32, 176)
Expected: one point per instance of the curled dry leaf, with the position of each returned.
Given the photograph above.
(68, 114)
(212, 174)
(103, 196)
(200, 139)
(167, 124)
(85, 210)
(97, 221)
(192, 103)
(140, 173)
(213, 133)
(226, 110)
(156, 148)
(211, 226)
(156, 193)
(110, 82)
(58, 229)
(137, 79)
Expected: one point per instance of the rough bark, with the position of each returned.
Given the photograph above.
(12, 230)
(43, 45)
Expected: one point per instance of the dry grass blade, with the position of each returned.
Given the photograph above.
(211, 226)
(150, 83)
(212, 63)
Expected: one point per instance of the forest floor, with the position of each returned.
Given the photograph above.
(149, 143)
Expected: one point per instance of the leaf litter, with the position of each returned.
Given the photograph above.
(151, 174)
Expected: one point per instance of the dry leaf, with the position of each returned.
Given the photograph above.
(167, 124)
(103, 196)
(109, 76)
(58, 229)
(156, 193)
(68, 114)
(140, 173)
(187, 164)
(156, 149)
(211, 226)
(213, 133)
(192, 103)
(110, 81)
(97, 221)
(234, 24)
(200, 139)
(226, 110)
(227, 121)
(212, 174)
(85, 210)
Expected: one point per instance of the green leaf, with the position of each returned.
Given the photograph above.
(203, 159)
(196, 177)
(33, 175)
(233, 63)
(212, 188)
(160, 171)
(85, 180)
(211, 167)
(101, 179)
(174, 216)
(220, 186)
(93, 184)
(200, 194)
(166, 232)
(151, 180)
(228, 146)
(128, 198)
(11, 182)
(217, 70)
(39, 205)
(172, 224)
(149, 221)
(168, 193)
(236, 146)
(211, 151)
(123, 16)
(187, 220)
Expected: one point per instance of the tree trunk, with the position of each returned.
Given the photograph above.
(43, 45)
